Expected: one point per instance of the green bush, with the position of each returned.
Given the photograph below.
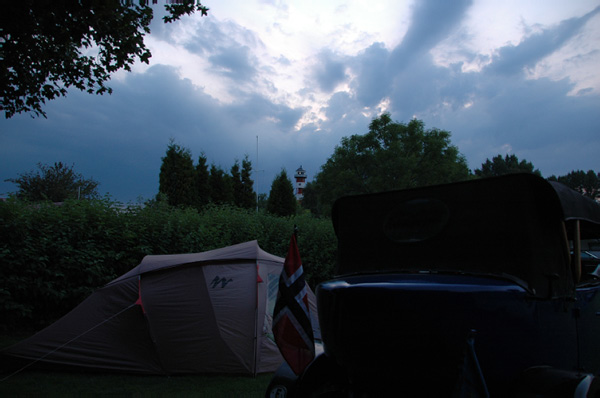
(53, 256)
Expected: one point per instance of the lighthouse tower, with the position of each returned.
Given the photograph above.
(300, 177)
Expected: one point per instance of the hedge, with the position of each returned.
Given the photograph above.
(52, 256)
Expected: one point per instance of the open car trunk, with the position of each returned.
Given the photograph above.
(467, 281)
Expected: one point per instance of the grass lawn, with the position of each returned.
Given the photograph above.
(58, 384)
(63, 384)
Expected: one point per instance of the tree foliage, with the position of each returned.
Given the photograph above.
(247, 198)
(282, 201)
(586, 183)
(236, 183)
(390, 156)
(310, 201)
(55, 183)
(221, 186)
(202, 182)
(509, 164)
(177, 178)
(50, 46)
(184, 184)
(243, 192)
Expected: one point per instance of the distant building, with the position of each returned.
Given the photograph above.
(300, 177)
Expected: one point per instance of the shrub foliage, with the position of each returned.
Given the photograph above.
(53, 256)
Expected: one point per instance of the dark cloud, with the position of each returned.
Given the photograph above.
(377, 68)
(254, 108)
(228, 47)
(339, 106)
(488, 112)
(123, 134)
(512, 59)
(120, 139)
(234, 62)
(329, 71)
(372, 81)
(488, 115)
(431, 22)
(418, 89)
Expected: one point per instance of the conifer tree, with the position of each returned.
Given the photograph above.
(236, 184)
(282, 201)
(248, 200)
(177, 176)
(221, 190)
(202, 185)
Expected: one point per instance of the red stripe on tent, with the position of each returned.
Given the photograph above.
(139, 299)
(258, 278)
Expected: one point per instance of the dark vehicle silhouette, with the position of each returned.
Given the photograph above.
(470, 289)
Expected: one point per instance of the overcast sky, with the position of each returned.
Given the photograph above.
(510, 77)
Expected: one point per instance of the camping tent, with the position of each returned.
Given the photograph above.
(181, 313)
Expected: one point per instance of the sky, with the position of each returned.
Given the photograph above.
(283, 81)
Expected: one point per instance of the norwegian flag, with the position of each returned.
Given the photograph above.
(291, 318)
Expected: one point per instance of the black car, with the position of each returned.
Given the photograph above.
(469, 289)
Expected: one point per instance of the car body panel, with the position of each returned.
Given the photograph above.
(407, 328)
(475, 288)
(588, 327)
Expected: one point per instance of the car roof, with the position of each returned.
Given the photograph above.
(509, 226)
(575, 206)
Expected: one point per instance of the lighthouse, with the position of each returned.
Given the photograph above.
(300, 177)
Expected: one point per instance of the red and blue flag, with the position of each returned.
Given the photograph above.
(292, 327)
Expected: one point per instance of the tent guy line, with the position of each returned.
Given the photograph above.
(67, 343)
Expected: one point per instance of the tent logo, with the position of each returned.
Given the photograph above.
(223, 281)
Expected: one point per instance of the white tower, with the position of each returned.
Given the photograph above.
(300, 177)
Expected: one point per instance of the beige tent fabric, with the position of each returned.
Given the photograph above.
(204, 312)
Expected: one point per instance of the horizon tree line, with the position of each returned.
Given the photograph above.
(183, 183)
(391, 155)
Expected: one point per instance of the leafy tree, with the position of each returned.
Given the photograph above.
(588, 184)
(55, 183)
(310, 199)
(509, 164)
(221, 188)
(282, 201)
(177, 176)
(202, 184)
(49, 46)
(390, 156)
